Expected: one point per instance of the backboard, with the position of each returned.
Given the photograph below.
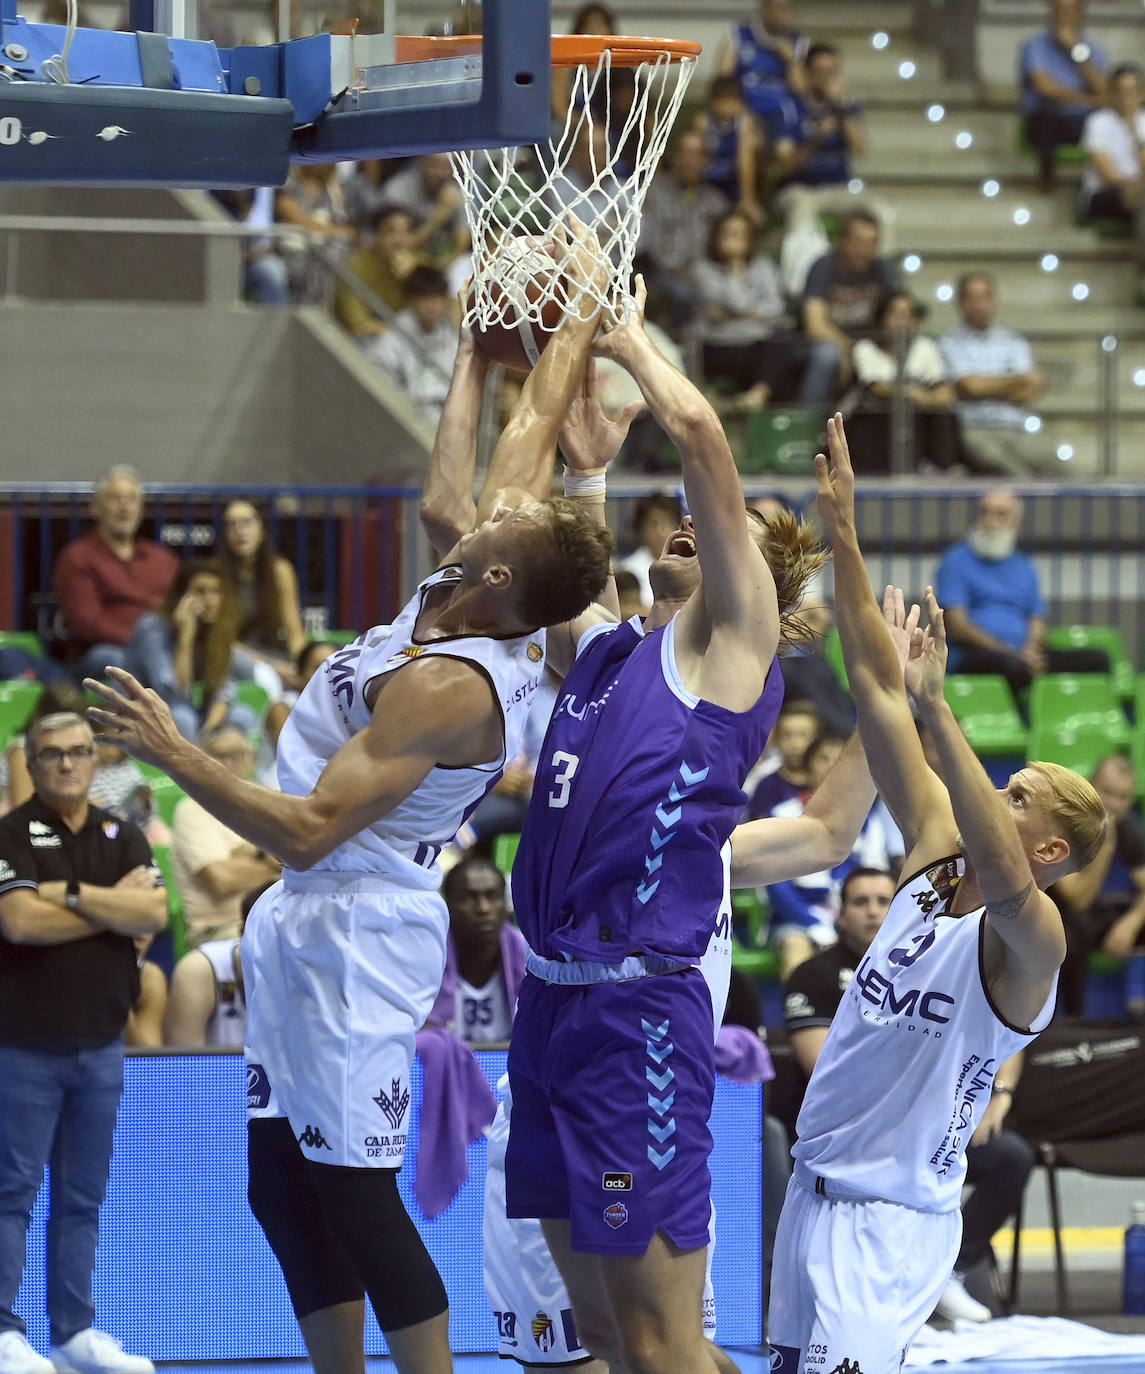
(163, 107)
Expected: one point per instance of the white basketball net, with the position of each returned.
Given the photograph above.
(597, 168)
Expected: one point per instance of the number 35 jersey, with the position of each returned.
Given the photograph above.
(637, 790)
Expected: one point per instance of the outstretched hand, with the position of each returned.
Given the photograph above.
(925, 671)
(836, 479)
(134, 718)
(589, 439)
(617, 328)
(900, 622)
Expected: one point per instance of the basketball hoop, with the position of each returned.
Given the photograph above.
(596, 168)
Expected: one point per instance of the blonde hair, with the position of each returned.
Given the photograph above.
(1077, 809)
(794, 555)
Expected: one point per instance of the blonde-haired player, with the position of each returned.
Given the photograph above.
(960, 977)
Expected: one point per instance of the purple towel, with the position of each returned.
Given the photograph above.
(513, 947)
(457, 1104)
(742, 1057)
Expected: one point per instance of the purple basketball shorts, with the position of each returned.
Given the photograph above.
(612, 1090)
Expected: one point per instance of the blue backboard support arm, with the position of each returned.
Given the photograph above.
(513, 107)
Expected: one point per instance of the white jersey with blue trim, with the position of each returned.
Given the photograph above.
(907, 1067)
(336, 705)
(227, 1025)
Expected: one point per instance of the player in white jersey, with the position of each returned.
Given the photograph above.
(961, 975)
(391, 744)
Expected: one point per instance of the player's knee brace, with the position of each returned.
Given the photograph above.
(364, 1208)
(318, 1270)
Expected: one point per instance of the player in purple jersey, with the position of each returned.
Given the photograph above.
(617, 886)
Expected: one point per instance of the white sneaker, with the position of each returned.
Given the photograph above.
(95, 1352)
(18, 1357)
(956, 1304)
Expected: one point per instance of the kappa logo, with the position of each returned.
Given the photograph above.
(393, 1103)
(616, 1214)
(543, 1332)
(313, 1139)
(39, 828)
(7, 872)
(535, 652)
(42, 836)
(616, 1182)
(847, 1366)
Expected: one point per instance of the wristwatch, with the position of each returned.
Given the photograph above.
(1081, 52)
(72, 896)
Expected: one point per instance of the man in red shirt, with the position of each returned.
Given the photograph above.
(105, 580)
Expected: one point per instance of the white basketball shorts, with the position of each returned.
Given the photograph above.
(528, 1296)
(852, 1282)
(341, 971)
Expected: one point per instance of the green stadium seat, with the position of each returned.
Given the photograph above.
(984, 707)
(1080, 704)
(18, 700)
(167, 794)
(338, 637)
(505, 851)
(1103, 637)
(254, 695)
(175, 915)
(1137, 744)
(751, 956)
(27, 640)
(1079, 750)
(833, 653)
(782, 441)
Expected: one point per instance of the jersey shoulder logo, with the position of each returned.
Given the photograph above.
(411, 651)
(535, 652)
(944, 878)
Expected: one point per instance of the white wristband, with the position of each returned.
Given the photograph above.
(585, 485)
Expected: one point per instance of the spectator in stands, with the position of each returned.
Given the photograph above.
(841, 301)
(768, 56)
(813, 167)
(1113, 183)
(600, 202)
(1062, 75)
(899, 354)
(265, 587)
(144, 1029)
(213, 866)
(803, 909)
(797, 728)
(628, 594)
(207, 1002)
(265, 279)
(502, 811)
(431, 197)
(18, 785)
(383, 268)
(76, 888)
(484, 957)
(996, 379)
(418, 352)
(1104, 906)
(653, 519)
(184, 650)
(365, 191)
(733, 147)
(998, 1160)
(310, 658)
(742, 318)
(313, 200)
(678, 215)
(105, 580)
(594, 19)
(995, 614)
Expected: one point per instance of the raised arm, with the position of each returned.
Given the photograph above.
(436, 711)
(914, 795)
(522, 462)
(448, 509)
(1023, 918)
(732, 627)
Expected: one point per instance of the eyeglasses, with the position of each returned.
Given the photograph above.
(79, 753)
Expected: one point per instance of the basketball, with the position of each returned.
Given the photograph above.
(522, 283)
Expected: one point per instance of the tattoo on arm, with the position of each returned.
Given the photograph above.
(1009, 907)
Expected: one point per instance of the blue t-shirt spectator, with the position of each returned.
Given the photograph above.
(1046, 54)
(819, 125)
(772, 790)
(1000, 596)
(761, 63)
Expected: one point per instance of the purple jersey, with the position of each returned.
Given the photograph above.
(638, 787)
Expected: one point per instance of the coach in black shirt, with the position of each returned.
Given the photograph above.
(76, 885)
(998, 1161)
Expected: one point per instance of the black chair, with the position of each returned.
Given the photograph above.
(1121, 1156)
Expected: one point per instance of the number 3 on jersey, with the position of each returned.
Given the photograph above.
(566, 766)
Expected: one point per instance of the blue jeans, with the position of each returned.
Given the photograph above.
(56, 1108)
(151, 657)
